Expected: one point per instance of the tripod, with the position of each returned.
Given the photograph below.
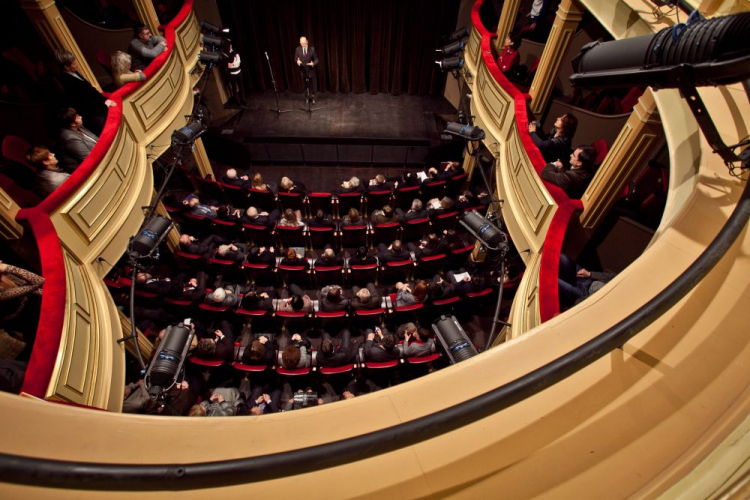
(309, 97)
(278, 110)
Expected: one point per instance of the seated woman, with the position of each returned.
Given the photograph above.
(290, 186)
(292, 258)
(121, 74)
(405, 296)
(352, 218)
(261, 351)
(509, 55)
(555, 145)
(262, 186)
(291, 218)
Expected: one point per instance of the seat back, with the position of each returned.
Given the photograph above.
(329, 275)
(385, 232)
(291, 236)
(228, 230)
(363, 274)
(396, 271)
(454, 184)
(15, 148)
(262, 199)
(209, 189)
(404, 196)
(444, 221)
(427, 267)
(293, 275)
(353, 236)
(289, 200)
(347, 201)
(458, 257)
(322, 236)
(260, 236)
(320, 201)
(377, 199)
(236, 195)
(433, 190)
(414, 230)
(104, 60)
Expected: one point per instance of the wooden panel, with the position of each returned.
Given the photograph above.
(9, 228)
(188, 38)
(473, 51)
(524, 314)
(495, 100)
(152, 103)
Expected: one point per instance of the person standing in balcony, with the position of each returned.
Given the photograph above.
(80, 94)
(145, 47)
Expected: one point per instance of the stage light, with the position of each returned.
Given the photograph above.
(212, 57)
(468, 132)
(714, 52)
(453, 48)
(189, 133)
(148, 239)
(215, 42)
(486, 232)
(458, 35)
(454, 340)
(212, 29)
(451, 63)
(167, 363)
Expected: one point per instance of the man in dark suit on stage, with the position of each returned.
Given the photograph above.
(306, 58)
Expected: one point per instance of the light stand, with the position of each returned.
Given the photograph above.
(278, 110)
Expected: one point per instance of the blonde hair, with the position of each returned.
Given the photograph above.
(258, 182)
(197, 411)
(286, 183)
(120, 62)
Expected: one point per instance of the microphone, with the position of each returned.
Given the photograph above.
(266, 53)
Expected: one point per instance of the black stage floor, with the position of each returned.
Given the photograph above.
(350, 129)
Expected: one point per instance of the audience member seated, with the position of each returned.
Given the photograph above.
(509, 55)
(379, 183)
(452, 240)
(260, 352)
(16, 284)
(192, 289)
(195, 207)
(366, 298)
(265, 403)
(224, 402)
(48, 175)
(291, 218)
(236, 252)
(432, 176)
(292, 258)
(362, 258)
(80, 94)
(406, 297)
(220, 346)
(295, 301)
(331, 299)
(576, 283)
(262, 186)
(555, 145)
(204, 247)
(441, 206)
(467, 199)
(408, 179)
(295, 351)
(395, 252)
(225, 296)
(409, 328)
(331, 357)
(149, 283)
(468, 283)
(231, 178)
(255, 218)
(145, 47)
(352, 218)
(329, 259)
(384, 215)
(289, 186)
(417, 211)
(229, 214)
(575, 180)
(418, 343)
(439, 288)
(453, 169)
(351, 186)
(262, 255)
(428, 247)
(257, 301)
(381, 347)
(75, 140)
(321, 219)
(121, 64)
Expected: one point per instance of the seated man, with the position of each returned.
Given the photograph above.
(75, 140)
(440, 206)
(379, 183)
(144, 47)
(149, 283)
(381, 347)
(266, 403)
(224, 402)
(204, 247)
(467, 283)
(195, 207)
(331, 357)
(257, 301)
(428, 247)
(236, 252)
(451, 170)
(417, 211)
(351, 186)
(225, 296)
(576, 283)
(432, 176)
(261, 351)
(295, 351)
(192, 289)
(417, 343)
(262, 255)
(329, 259)
(384, 216)
(255, 218)
(296, 302)
(362, 258)
(289, 186)
(321, 219)
(233, 179)
(366, 298)
(575, 180)
(395, 252)
(331, 299)
(48, 175)
(220, 347)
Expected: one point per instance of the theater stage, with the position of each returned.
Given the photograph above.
(350, 129)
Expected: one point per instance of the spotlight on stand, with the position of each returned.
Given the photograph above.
(458, 35)
(213, 57)
(148, 239)
(468, 132)
(215, 42)
(166, 366)
(451, 63)
(700, 53)
(212, 29)
(453, 48)
(486, 232)
(188, 133)
(454, 340)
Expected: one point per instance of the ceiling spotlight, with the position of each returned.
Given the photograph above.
(454, 48)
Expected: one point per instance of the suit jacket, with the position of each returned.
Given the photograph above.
(323, 262)
(418, 349)
(573, 181)
(83, 96)
(339, 357)
(386, 186)
(76, 145)
(311, 56)
(269, 356)
(391, 256)
(374, 352)
(374, 302)
(421, 214)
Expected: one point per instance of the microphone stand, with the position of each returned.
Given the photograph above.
(278, 110)
(308, 98)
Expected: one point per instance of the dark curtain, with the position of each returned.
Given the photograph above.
(363, 45)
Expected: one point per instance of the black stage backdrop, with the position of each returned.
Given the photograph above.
(363, 45)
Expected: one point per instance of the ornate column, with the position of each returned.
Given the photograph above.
(51, 26)
(201, 159)
(147, 14)
(567, 18)
(506, 22)
(636, 143)
(9, 228)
